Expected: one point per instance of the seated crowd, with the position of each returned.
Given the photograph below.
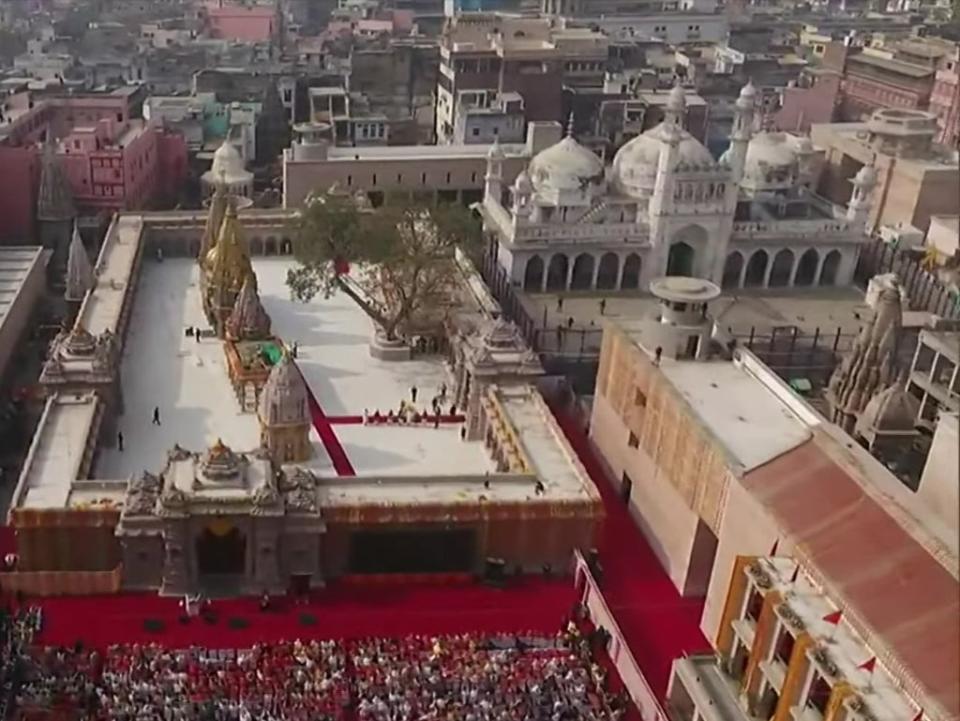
(16, 633)
(470, 677)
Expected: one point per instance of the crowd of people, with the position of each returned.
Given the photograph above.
(17, 629)
(292, 681)
(469, 677)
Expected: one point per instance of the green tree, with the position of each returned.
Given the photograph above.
(395, 262)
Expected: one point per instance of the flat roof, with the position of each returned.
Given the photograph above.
(421, 152)
(897, 66)
(16, 264)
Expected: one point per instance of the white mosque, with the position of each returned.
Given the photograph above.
(664, 206)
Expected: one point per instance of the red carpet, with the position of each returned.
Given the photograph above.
(338, 456)
(358, 420)
(658, 624)
(341, 612)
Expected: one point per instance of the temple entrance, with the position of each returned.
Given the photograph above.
(427, 551)
(221, 550)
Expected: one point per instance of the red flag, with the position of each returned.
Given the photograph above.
(919, 716)
(776, 544)
(869, 664)
(833, 618)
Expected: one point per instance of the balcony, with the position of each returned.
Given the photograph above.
(775, 671)
(746, 630)
(699, 681)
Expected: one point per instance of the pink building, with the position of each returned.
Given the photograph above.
(246, 23)
(945, 98)
(812, 100)
(112, 162)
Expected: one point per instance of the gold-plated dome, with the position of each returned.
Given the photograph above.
(227, 263)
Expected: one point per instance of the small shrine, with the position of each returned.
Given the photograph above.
(250, 348)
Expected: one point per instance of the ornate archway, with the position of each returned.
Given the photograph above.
(782, 268)
(221, 550)
(681, 259)
(582, 277)
(807, 268)
(831, 266)
(608, 271)
(732, 269)
(533, 275)
(557, 272)
(631, 272)
(756, 270)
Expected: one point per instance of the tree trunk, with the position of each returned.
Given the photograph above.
(375, 315)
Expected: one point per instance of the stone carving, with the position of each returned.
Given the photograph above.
(221, 462)
(142, 495)
(266, 496)
(174, 498)
(300, 489)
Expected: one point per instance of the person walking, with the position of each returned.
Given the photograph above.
(156, 415)
(559, 304)
(413, 394)
(603, 306)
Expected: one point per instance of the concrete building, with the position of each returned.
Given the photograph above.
(22, 283)
(810, 100)
(790, 529)
(447, 172)
(916, 178)
(939, 488)
(943, 238)
(244, 22)
(935, 375)
(945, 98)
(664, 206)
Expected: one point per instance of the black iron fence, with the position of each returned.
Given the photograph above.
(925, 291)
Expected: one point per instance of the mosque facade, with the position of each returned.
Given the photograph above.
(665, 206)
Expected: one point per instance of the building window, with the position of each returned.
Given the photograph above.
(373, 179)
(633, 441)
(473, 177)
(640, 398)
(349, 180)
(754, 605)
(423, 178)
(784, 648)
(819, 695)
(448, 178)
(399, 178)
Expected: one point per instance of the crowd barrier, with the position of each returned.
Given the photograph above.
(627, 667)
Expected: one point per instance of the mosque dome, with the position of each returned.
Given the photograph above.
(771, 160)
(635, 164)
(283, 399)
(565, 166)
(228, 165)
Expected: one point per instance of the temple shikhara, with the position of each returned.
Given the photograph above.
(202, 430)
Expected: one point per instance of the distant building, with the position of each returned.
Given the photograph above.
(231, 20)
(945, 98)
(111, 160)
(916, 178)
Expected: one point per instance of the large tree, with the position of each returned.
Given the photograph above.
(395, 262)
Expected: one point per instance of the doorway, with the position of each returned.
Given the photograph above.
(221, 550)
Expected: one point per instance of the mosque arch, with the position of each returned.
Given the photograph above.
(286, 246)
(781, 269)
(680, 261)
(533, 275)
(557, 272)
(632, 266)
(831, 265)
(807, 268)
(732, 269)
(256, 246)
(582, 276)
(608, 271)
(270, 247)
(756, 270)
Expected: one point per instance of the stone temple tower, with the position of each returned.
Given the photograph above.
(56, 213)
(284, 414)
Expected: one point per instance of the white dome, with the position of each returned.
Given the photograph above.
(770, 161)
(565, 166)
(227, 164)
(635, 164)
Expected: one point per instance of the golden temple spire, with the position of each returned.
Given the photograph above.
(218, 206)
(227, 262)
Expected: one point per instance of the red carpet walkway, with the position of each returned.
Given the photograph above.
(658, 624)
(338, 456)
(358, 420)
(531, 604)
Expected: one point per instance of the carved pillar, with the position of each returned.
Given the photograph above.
(178, 561)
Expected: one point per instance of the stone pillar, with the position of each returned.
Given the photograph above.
(821, 257)
(622, 265)
(743, 272)
(596, 273)
(768, 271)
(793, 270)
(178, 562)
(569, 274)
